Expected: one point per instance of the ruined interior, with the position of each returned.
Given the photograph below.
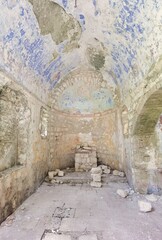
(80, 91)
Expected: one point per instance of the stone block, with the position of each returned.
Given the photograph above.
(96, 170)
(51, 174)
(96, 177)
(61, 173)
(118, 173)
(96, 184)
(144, 206)
(107, 171)
(122, 193)
(93, 154)
(93, 160)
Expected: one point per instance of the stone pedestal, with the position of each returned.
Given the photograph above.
(85, 158)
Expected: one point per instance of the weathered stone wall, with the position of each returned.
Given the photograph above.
(99, 130)
(14, 124)
(142, 138)
(18, 181)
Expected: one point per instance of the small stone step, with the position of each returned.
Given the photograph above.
(74, 178)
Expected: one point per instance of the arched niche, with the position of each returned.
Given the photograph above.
(14, 124)
(146, 161)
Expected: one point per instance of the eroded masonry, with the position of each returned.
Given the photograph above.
(80, 87)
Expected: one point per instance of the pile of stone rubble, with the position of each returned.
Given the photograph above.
(96, 174)
(143, 204)
(52, 174)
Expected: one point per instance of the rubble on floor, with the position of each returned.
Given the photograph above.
(122, 193)
(86, 213)
(98, 172)
(144, 206)
(96, 177)
(61, 173)
(118, 173)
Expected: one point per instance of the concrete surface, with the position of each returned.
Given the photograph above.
(64, 212)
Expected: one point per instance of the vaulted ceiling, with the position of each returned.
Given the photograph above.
(42, 41)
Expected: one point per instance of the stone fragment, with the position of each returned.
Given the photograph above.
(61, 173)
(96, 177)
(151, 197)
(51, 174)
(122, 193)
(107, 171)
(96, 170)
(53, 181)
(96, 184)
(118, 173)
(144, 206)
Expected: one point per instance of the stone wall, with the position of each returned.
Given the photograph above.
(99, 130)
(19, 177)
(142, 141)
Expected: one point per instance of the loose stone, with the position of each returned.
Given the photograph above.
(96, 170)
(122, 193)
(61, 173)
(96, 177)
(118, 173)
(144, 206)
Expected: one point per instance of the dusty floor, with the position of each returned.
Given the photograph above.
(80, 212)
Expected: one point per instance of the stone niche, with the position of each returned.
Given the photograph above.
(85, 158)
(14, 123)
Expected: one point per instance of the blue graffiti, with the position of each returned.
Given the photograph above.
(54, 80)
(22, 32)
(112, 3)
(9, 37)
(94, 2)
(22, 11)
(64, 2)
(82, 21)
(54, 65)
(97, 11)
(125, 23)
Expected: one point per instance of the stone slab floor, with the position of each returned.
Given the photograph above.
(80, 212)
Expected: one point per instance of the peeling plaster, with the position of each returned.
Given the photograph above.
(54, 20)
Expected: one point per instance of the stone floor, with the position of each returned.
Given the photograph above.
(80, 212)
